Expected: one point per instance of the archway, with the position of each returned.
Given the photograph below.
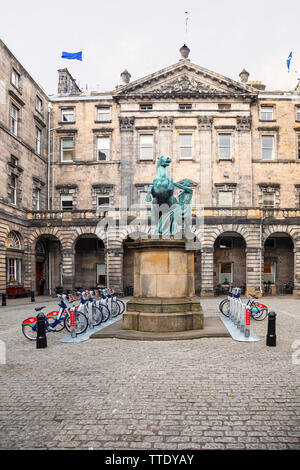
(229, 262)
(48, 265)
(90, 263)
(278, 264)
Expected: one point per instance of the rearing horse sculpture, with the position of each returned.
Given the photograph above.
(162, 193)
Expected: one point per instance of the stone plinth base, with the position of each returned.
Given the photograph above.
(164, 295)
(162, 315)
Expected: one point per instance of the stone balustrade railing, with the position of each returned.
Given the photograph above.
(208, 212)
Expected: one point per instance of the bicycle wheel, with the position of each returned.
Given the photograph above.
(225, 309)
(81, 323)
(29, 331)
(260, 314)
(105, 312)
(122, 306)
(222, 303)
(97, 315)
(115, 309)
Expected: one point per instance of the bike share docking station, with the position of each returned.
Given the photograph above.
(77, 338)
(238, 321)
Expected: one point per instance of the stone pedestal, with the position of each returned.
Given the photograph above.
(164, 294)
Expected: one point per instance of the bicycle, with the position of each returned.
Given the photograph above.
(100, 313)
(60, 320)
(115, 305)
(257, 311)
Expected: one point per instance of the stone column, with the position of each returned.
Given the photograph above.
(114, 264)
(205, 129)
(68, 268)
(254, 270)
(245, 164)
(207, 271)
(296, 271)
(127, 152)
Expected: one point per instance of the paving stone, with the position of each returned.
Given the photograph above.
(208, 393)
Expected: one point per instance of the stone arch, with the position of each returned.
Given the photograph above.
(89, 259)
(38, 233)
(212, 233)
(279, 272)
(289, 230)
(229, 260)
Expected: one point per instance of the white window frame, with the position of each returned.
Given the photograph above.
(15, 78)
(106, 150)
(298, 146)
(220, 135)
(67, 112)
(267, 113)
(38, 104)
(269, 206)
(297, 113)
(103, 114)
(264, 147)
(37, 199)
(14, 270)
(38, 139)
(14, 119)
(222, 191)
(186, 146)
(67, 149)
(13, 198)
(145, 146)
(66, 197)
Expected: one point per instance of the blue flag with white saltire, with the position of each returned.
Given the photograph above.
(72, 55)
(289, 61)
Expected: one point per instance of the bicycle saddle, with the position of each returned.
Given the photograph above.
(254, 296)
(37, 309)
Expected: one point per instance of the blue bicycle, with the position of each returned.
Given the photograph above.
(55, 321)
(258, 311)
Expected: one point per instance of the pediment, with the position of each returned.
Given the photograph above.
(183, 79)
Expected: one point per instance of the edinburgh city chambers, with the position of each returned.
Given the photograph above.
(67, 159)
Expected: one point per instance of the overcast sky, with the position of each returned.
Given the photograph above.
(145, 36)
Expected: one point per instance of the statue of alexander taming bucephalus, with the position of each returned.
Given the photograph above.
(168, 213)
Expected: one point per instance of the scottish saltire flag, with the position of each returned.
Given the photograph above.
(289, 61)
(72, 55)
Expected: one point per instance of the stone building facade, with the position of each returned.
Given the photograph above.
(237, 143)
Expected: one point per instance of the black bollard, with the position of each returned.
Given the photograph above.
(32, 296)
(271, 335)
(41, 338)
(3, 300)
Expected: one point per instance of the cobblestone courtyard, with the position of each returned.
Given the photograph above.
(209, 393)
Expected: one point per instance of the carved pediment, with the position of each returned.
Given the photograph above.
(183, 79)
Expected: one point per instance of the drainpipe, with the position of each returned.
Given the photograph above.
(107, 263)
(48, 156)
(260, 261)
